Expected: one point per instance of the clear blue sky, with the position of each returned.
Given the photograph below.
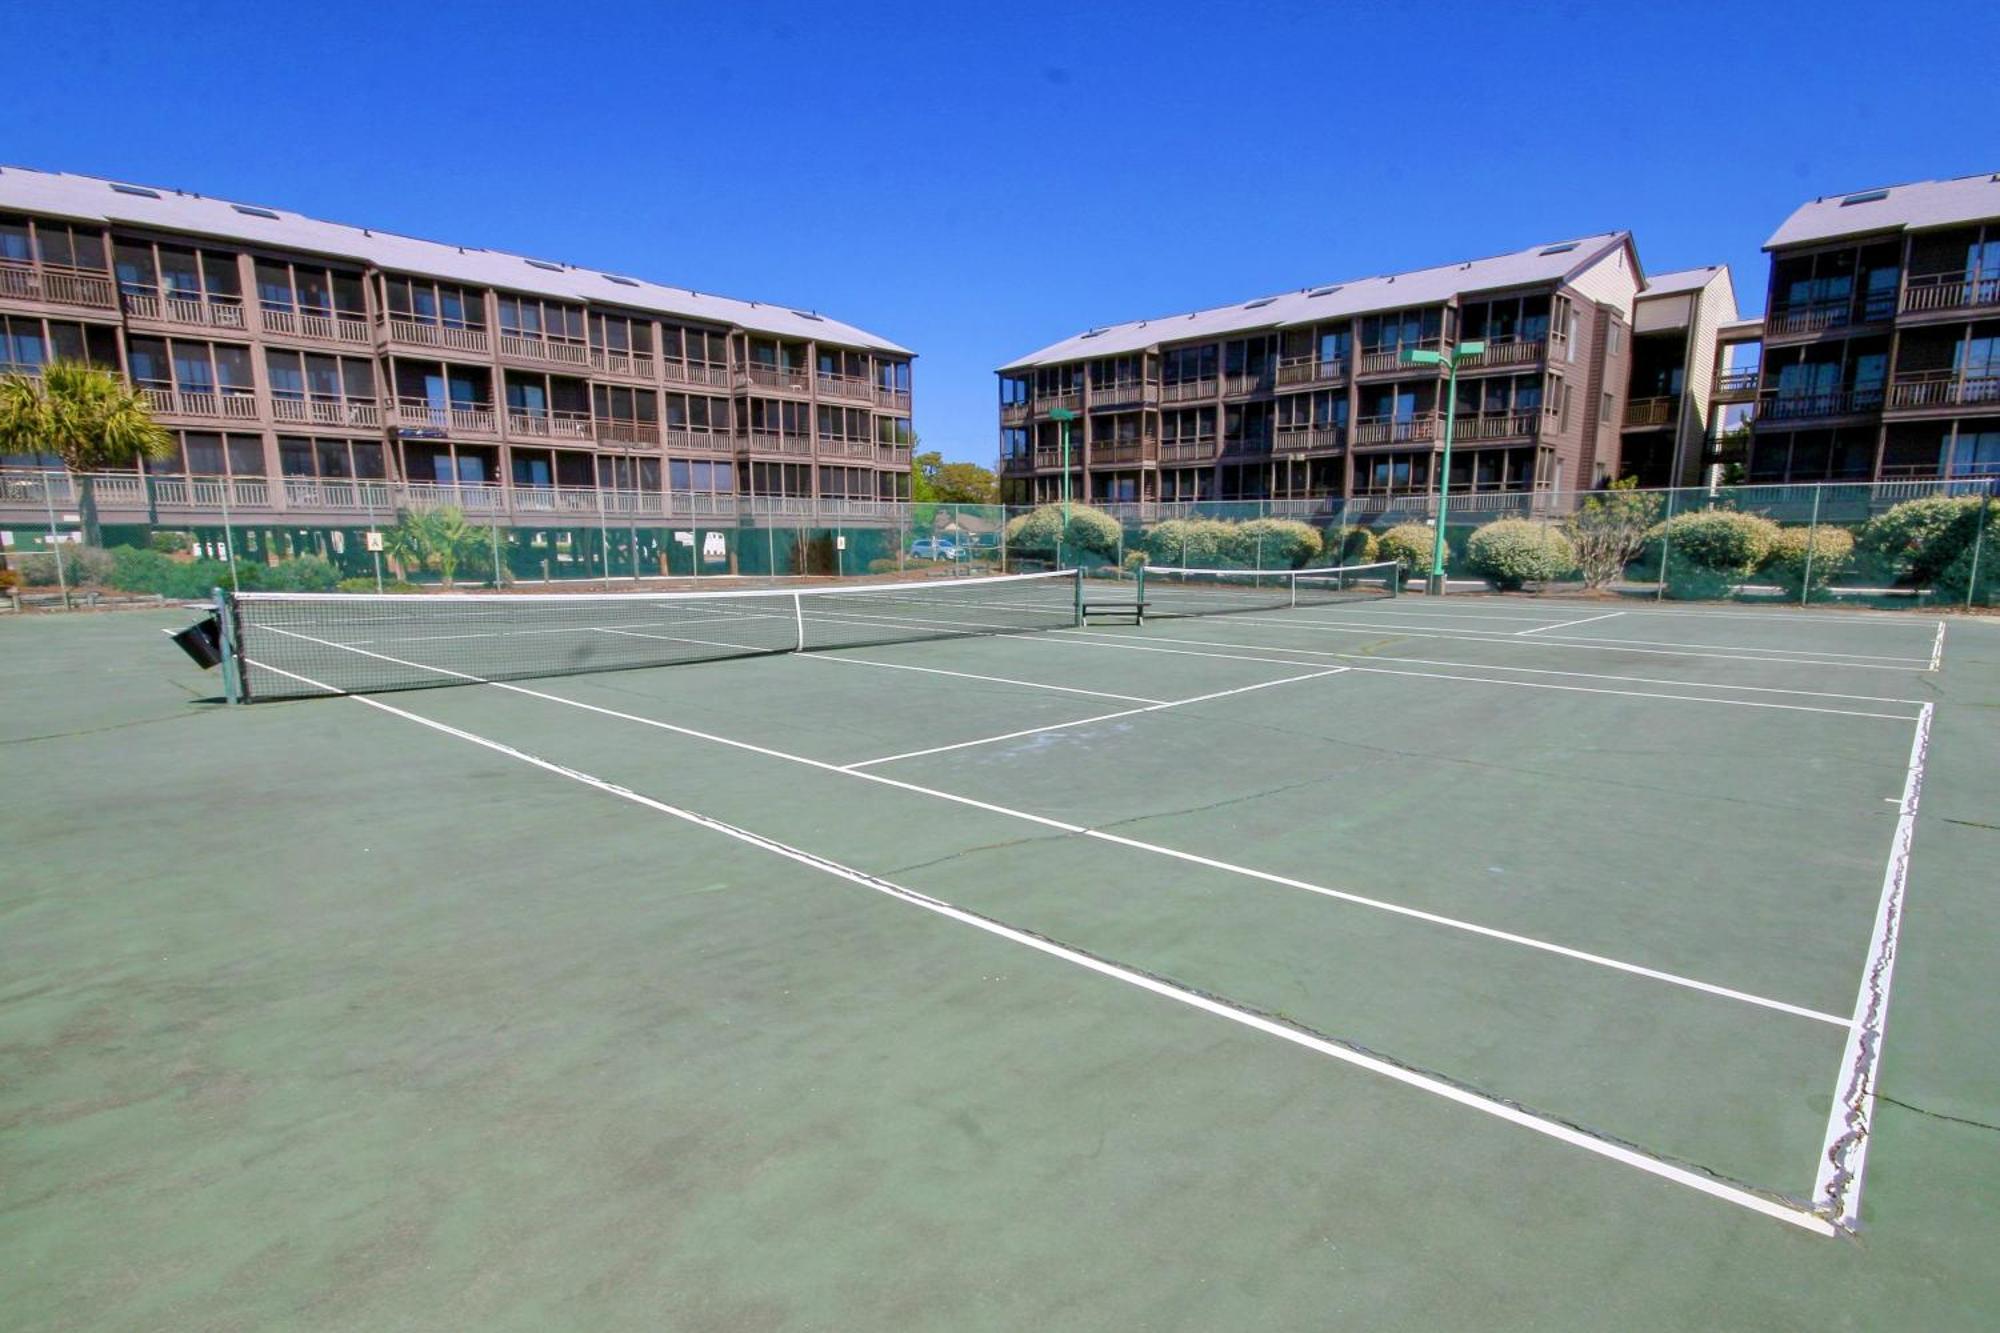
(975, 182)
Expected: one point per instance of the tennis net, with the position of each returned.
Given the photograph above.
(291, 645)
(1208, 592)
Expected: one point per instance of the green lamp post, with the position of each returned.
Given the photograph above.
(1064, 415)
(1451, 361)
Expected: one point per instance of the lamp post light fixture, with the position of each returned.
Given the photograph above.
(1064, 416)
(1451, 361)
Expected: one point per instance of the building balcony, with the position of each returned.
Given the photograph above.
(1124, 393)
(184, 310)
(789, 379)
(1950, 291)
(337, 326)
(833, 447)
(469, 497)
(1299, 372)
(629, 434)
(328, 493)
(1737, 386)
(846, 388)
(202, 404)
(683, 439)
(1833, 403)
(1052, 458)
(1135, 450)
(456, 418)
(1507, 352)
(1189, 391)
(1648, 412)
(451, 337)
(582, 500)
(344, 413)
(546, 425)
(1309, 440)
(892, 455)
(1013, 464)
(1379, 432)
(1823, 316)
(1389, 360)
(1013, 414)
(630, 365)
(1245, 382)
(546, 351)
(893, 400)
(1943, 389)
(51, 284)
(1491, 427)
(770, 442)
(696, 372)
(1199, 450)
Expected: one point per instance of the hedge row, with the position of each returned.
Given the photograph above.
(136, 569)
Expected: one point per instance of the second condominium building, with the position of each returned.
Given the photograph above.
(298, 361)
(1311, 394)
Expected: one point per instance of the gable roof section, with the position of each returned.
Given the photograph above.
(1682, 280)
(1310, 305)
(1891, 208)
(90, 199)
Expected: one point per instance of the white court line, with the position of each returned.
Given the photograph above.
(1937, 648)
(1543, 629)
(968, 675)
(1087, 721)
(1844, 1153)
(1587, 645)
(1647, 607)
(1247, 872)
(1438, 1087)
(1097, 639)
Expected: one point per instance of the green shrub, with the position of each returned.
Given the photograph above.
(1955, 580)
(1409, 545)
(1514, 551)
(139, 570)
(1090, 530)
(170, 543)
(368, 585)
(1917, 540)
(1271, 543)
(82, 567)
(1710, 552)
(304, 573)
(1610, 531)
(1196, 543)
(1347, 546)
(1831, 551)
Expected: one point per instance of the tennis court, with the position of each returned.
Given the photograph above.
(1385, 957)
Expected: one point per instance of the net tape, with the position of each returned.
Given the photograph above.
(295, 645)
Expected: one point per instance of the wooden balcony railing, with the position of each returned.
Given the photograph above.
(215, 313)
(452, 337)
(1652, 411)
(1737, 385)
(1943, 388)
(1298, 370)
(1386, 359)
(700, 441)
(896, 400)
(628, 432)
(1782, 406)
(791, 378)
(471, 497)
(847, 388)
(1249, 381)
(420, 413)
(1950, 291)
(346, 326)
(1377, 431)
(531, 347)
(1136, 450)
(636, 365)
(327, 411)
(771, 442)
(1188, 391)
(1013, 414)
(845, 447)
(549, 425)
(1508, 352)
(696, 372)
(91, 288)
(1198, 450)
(327, 493)
(1310, 439)
(1120, 393)
(1840, 313)
(1476, 427)
(224, 405)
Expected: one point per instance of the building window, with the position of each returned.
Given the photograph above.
(1604, 410)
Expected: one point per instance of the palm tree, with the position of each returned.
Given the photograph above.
(438, 539)
(89, 418)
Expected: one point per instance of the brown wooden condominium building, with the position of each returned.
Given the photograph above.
(298, 361)
(1310, 395)
(1882, 337)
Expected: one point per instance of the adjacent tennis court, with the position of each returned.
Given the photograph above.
(1290, 948)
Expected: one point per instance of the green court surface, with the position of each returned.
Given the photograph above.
(1493, 961)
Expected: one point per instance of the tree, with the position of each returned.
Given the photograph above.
(438, 539)
(1610, 530)
(933, 479)
(89, 418)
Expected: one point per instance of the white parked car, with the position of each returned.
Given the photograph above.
(935, 548)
